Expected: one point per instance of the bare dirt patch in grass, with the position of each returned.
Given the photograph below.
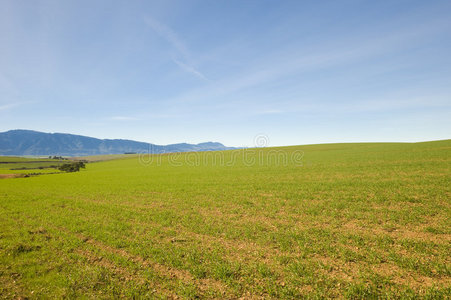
(397, 233)
(164, 271)
(5, 176)
(123, 273)
(413, 280)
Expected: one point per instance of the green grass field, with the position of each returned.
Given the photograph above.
(22, 165)
(339, 220)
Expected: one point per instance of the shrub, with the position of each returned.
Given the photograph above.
(72, 167)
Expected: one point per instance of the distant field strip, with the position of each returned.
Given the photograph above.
(22, 165)
(370, 220)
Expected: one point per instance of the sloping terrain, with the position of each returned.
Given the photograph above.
(340, 220)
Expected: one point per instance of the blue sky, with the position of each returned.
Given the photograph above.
(164, 72)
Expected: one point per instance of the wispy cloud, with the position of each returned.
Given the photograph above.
(190, 69)
(384, 103)
(330, 54)
(269, 112)
(8, 106)
(169, 35)
(122, 118)
(398, 102)
(173, 39)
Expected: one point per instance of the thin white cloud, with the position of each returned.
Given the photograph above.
(169, 35)
(122, 118)
(190, 69)
(398, 102)
(269, 112)
(372, 105)
(8, 106)
(331, 54)
(172, 38)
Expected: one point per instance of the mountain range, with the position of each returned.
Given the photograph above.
(29, 142)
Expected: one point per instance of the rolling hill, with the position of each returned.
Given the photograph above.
(346, 221)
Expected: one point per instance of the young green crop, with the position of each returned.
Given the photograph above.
(365, 220)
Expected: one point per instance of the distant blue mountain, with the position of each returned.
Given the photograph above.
(29, 142)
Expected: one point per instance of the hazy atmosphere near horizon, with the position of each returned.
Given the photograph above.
(165, 72)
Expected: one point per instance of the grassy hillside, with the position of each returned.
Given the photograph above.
(338, 220)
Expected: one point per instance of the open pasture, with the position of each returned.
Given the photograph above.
(338, 220)
(22, 165)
